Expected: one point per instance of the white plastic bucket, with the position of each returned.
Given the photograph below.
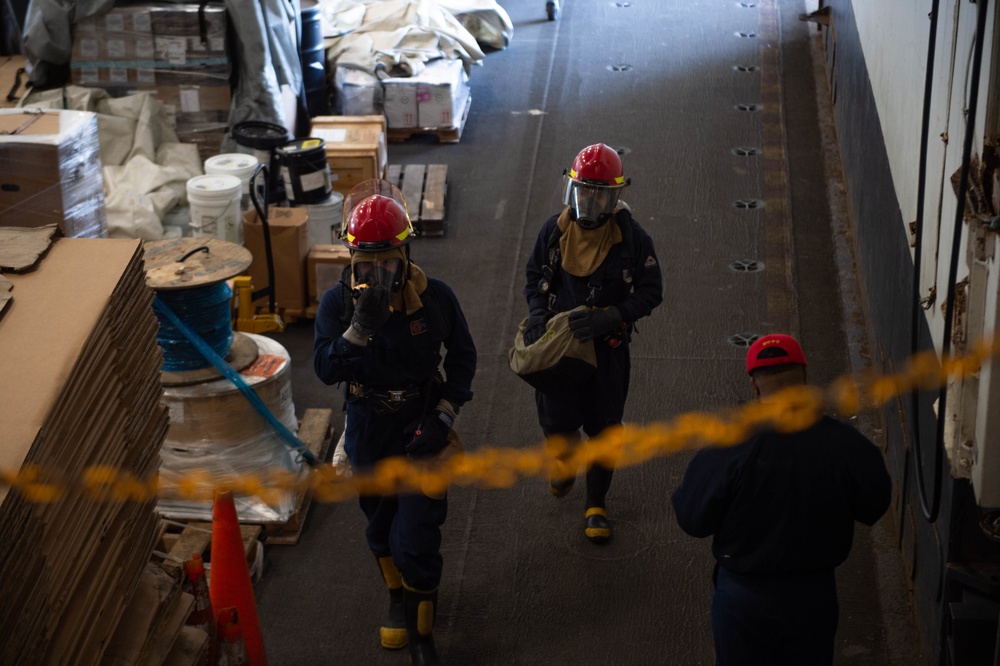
(215, 207)
(234, 164)
(324, 217)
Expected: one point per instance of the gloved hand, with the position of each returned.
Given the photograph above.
(595, 322)
(431, 435)
(535, 328)
(371, 310)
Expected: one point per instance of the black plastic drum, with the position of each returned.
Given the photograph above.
(305, 171)
(262, 139)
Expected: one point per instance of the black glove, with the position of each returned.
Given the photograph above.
(535, 328)
(595, 322)
(371, 310)
(430, 436)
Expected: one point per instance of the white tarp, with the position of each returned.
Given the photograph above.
(398, 36)
(145, 168)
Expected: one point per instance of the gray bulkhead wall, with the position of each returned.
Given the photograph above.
(876, 52)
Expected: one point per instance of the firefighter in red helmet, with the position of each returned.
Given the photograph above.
(593, 254)
(379, 331)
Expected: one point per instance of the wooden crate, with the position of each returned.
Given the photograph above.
(355, 148)
(424, 187)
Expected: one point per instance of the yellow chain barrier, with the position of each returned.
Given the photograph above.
(791, 410)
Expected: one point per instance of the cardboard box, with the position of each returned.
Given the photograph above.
(50, 171)
(289, 229)
(324, 266)
(358, 93)
(355, 148)
(400, 102)
(442, 93)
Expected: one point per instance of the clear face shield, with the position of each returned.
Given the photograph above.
(593, 204)
(378, 272)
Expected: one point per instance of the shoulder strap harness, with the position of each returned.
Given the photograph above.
(596, 280)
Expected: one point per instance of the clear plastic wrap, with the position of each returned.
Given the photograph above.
(177, 51)
(50, 171)
(215, 430)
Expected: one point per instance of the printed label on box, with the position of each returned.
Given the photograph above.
(118, 74)
(116, 49)
(190, 100)
(330, 135)
(147, 76)
(89, 48)
(142, 22)
(172, 49)
(144, 49)
(115, 22)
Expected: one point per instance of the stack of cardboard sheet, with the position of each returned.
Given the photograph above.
(153, 630)
(80, 367)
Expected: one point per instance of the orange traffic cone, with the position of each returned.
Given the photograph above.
(201, 615)
(232, 649)
(230, 583)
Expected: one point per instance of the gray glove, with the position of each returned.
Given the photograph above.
(371, 310)
(595, 322)
(535, 328)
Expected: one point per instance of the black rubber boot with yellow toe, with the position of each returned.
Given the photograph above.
(392, 634)
(421, 607)
(597, 528)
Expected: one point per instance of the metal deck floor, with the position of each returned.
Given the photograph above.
(521, 583)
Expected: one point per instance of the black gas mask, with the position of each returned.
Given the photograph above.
(388, 273)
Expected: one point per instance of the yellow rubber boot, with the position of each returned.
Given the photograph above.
(392, 634)
(597, 528)
(421, 608)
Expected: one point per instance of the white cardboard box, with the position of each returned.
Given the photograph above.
(399, 97)
(358, 93)
(442, 92)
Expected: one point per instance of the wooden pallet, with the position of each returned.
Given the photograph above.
(424, 187)
(443, 134)
(316, 432)
(182, 540)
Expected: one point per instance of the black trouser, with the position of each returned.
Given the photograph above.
(774, 620)
(593, 406)
(408, 527)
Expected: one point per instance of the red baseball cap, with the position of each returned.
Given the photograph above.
(779, 343)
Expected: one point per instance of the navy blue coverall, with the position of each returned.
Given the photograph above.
(403, 355)
(600, 403)
(782, 509)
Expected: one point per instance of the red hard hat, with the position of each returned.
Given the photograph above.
(376, 223)
(598, 165)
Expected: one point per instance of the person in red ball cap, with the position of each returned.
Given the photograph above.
(781, 509)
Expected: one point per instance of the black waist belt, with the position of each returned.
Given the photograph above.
(389, 396)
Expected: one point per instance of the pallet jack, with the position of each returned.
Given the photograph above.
(248, 320)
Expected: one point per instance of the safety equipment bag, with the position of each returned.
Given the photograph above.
(556, 361)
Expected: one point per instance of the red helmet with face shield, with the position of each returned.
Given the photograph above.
(593, 185)
(375, 217)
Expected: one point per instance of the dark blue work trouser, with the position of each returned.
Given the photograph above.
(592, 406)
(408, 527)
(774, 620)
